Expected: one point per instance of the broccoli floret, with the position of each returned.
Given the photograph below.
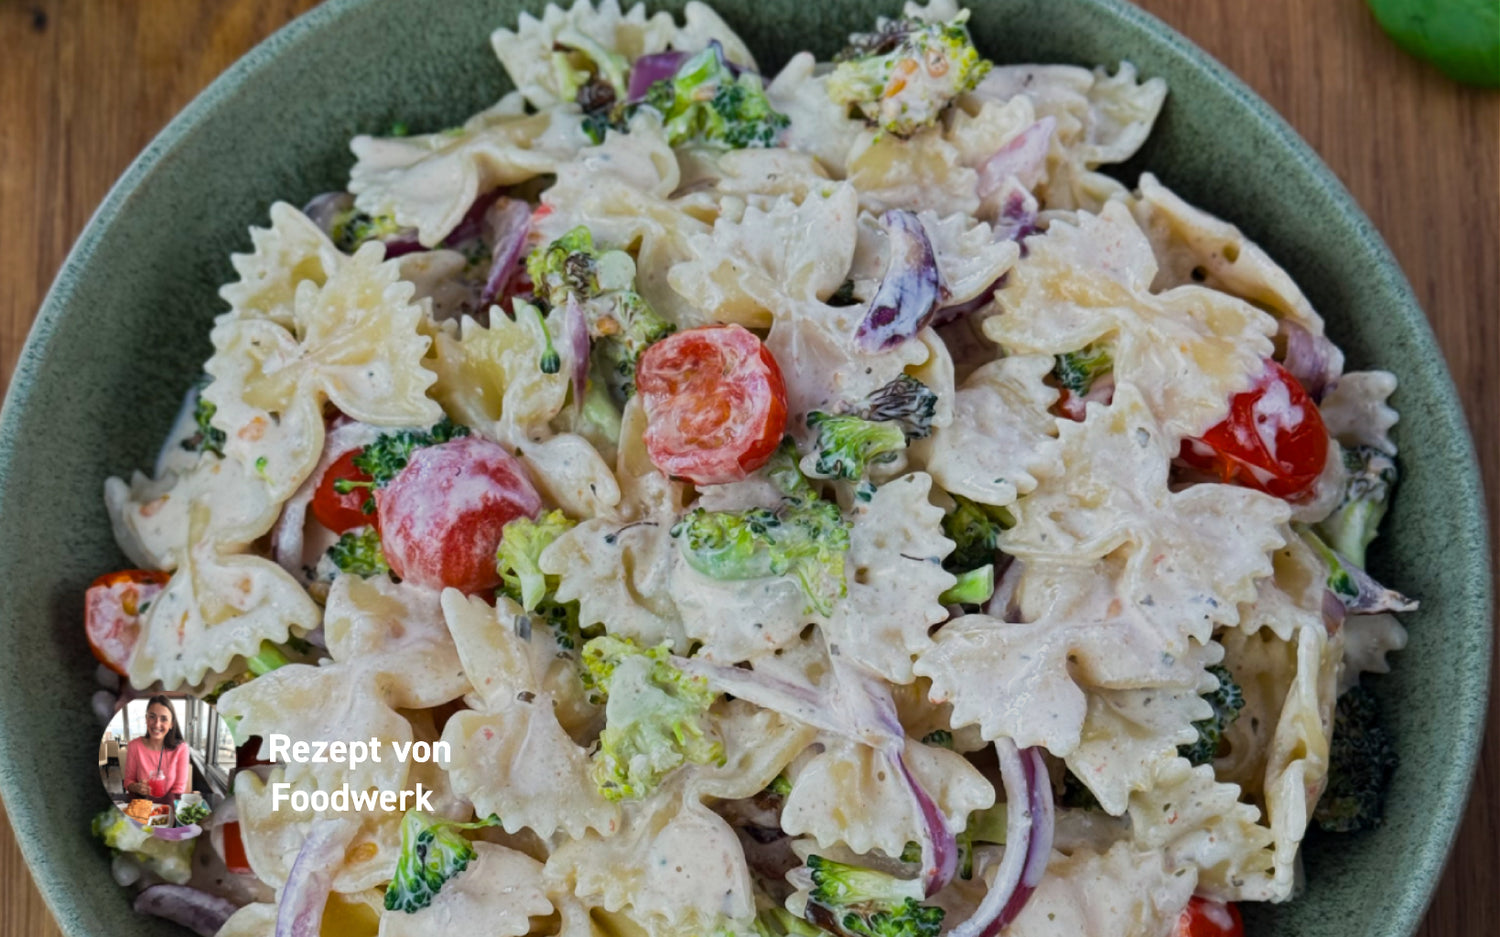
(1076, 371)
(941, 738)
(1361, 760)
(358, 553)
(848, 445)
(844, 295)
(903, 76)
(806, 539)
(1359, 592)
(973, 587)
(905, 401)
(620, 320)
(780, 786)
(521, 543)
(384, 458)
(170, 860)
(1367, 493)
(975, 531)
(706, 102)
(858, 902)
(432, 853)
(352, 227)
(1227, 701)
(208, 437)
(655, 717)
(522, 580)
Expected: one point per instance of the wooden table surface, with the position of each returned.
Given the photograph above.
(85, 84)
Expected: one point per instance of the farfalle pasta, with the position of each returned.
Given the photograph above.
(822, 501)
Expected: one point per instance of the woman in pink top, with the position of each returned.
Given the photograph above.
(157, 765)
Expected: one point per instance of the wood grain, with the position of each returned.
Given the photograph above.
(85, 84)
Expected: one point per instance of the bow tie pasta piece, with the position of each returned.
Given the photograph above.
(215, 607)
(755, 175)
(511, 756)
(1120, 893)
(737, 620)
(970, 258)
(757, 744)
(1357, 410)
(1367, 641)
(493, 377)
(274, 836)
(151, 517)
(1127, 732)
(528, 52)
(355, 343)
(925, 172)
(621, 576)
(1278, 748)
(397, 631)
(1192, 820)
(1098, 118)
(498, 894)
(571, 473)
(1189, 349)
(1193, 246)
(831, 370)
(895, 576)
(846, 773)
(1292, 596)
(768, 261)
(291, 251)
(818, 126)
(327, 703)
(923, 719)
(1001, 436)
(1191, 556)
(675, 868)
(429, 182)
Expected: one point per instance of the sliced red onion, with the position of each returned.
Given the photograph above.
(401, 243)
(649, 69)
(576, 335)
(802, 702)
(1018, 214)
(193, 908)
(1024, 158)
(325, 208)
(1002, 603)
(1334, 611)
(950, 314)
(286, 536)
(1372, 597)
(472, 225)
(1028, 841)
(311, 878)
(910, 289)
(175, 834)
(939, 844)
(1313, 360)
(506, 224)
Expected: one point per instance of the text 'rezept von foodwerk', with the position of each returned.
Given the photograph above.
(281, 748)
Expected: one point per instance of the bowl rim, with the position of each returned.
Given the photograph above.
(1447, 801)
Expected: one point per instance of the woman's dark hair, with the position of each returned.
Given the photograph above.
(174, 734)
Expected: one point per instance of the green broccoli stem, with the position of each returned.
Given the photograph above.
(974, 587)
(268, 659)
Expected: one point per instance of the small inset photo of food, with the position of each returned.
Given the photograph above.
(165, 761)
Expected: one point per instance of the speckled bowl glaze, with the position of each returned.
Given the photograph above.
(125, 329)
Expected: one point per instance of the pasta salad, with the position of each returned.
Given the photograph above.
(814, 504)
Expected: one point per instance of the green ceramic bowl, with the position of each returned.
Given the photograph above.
(125, 329)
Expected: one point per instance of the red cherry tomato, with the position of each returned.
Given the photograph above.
(234, 849)
(112, 610)
(441, 517)
(341, 512)
(715, 403)
(1274, 439)
(1205, 918)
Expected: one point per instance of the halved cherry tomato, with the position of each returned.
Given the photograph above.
(441, 517)
(235, 859)
(1273, 440)
(341, 512)
(1205, 918)
(112, 610)
(715, 403)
